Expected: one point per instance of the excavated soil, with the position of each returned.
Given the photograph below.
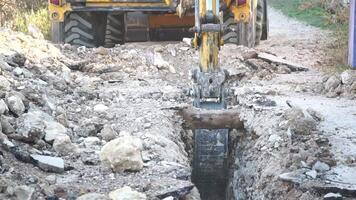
(291, 126)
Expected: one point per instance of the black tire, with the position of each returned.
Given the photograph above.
(241, 33)
(259, 21)
(81, 29)
(115, 30)
(265, 27)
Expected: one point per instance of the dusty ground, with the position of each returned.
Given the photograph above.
(291, 123)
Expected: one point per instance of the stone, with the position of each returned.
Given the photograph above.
(64, 146)
(108, 133)
(7, 128)
(5, 66)
(321, 167)
(4, 84)
(53, 130)
(187, 41)
(93, 196)
(169, 198)
(3, 107)
(100, 108)
(48, 163)
(51, 179)
(332, 83)
(18, 71)
(348, 77)
(159, 62)
(31, 125)
(312, 174)
(333, 196)
(102, 51)
(23, 192)
(90, 142)
(122, 154)
(15, 104)
(315, 114)
(35, 32)
(193, 195)
(126, 193)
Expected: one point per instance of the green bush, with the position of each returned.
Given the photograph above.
(38, 18)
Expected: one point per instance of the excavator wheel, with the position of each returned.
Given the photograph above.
(244, 33)
(259, 21)
(115, 29)
(85, 29)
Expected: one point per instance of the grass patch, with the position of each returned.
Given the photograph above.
(303, 10)
(38, 18)
(326, 15)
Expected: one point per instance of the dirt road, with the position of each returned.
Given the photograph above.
(70, 102)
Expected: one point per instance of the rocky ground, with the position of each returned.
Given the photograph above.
(79, 123)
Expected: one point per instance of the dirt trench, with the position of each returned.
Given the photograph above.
(136, 88)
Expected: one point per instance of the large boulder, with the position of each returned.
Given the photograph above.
(123, 153)
(126, 193)
(31, 125)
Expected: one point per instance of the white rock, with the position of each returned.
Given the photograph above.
(15, 104)
(348, 77)
(3, 107)
(188, 41)
(311, 173)
(159, 62)
(92, 196)
(4, 84)
(35, 32)
(53, 130)
(90, 142)
(274, 138)
(126, 193)
(64, 145)
(123, 153)
(169, 198)
(332, 196)
(18, 71)
(100, 108)
(321, 167)
(23, 192)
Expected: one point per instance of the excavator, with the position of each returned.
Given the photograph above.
(211, 23)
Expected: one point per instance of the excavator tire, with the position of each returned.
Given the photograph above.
(115, 29)
(259, 21)
(81, 29)
(243, 34)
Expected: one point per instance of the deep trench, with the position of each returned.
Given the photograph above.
(228, 188)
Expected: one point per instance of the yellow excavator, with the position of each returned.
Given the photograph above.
(211, 22)
(94, 23)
